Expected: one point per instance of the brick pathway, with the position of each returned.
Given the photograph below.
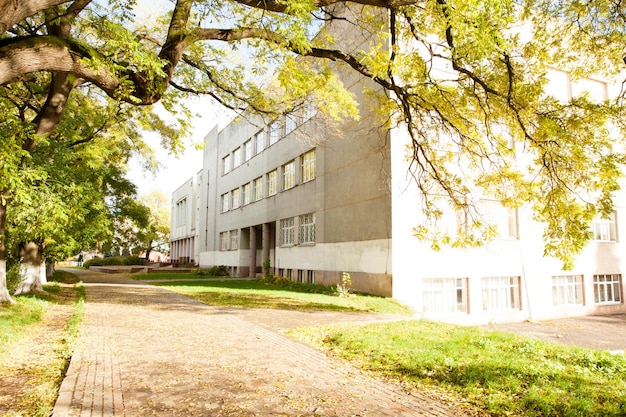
(145, 351)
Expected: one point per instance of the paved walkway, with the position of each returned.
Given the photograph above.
(145, 351)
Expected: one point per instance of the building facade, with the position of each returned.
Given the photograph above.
(309, 203)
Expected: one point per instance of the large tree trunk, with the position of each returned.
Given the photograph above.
(5, 297)
(32, 269)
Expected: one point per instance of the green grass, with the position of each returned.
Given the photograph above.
(500, 373)
(49, 353)
(283, 296)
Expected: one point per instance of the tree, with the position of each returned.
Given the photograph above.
(156, 234)
(497, 53)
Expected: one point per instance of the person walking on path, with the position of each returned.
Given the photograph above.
(146, 351)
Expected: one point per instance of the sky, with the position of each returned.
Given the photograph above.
(174, 171)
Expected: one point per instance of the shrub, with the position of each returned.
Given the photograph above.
(114, 260)
(218, 271)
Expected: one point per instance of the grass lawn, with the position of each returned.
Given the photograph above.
(36, 343)
(283, 296)
(501, 374)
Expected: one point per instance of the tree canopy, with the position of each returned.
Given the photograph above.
(473, 72)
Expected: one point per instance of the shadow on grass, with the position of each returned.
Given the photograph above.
(249, 300)
(252, 285)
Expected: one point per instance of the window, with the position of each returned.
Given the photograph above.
(271, 182)
(503, 218)
(607, 288)
(274, 132)
(181, 212)
(224, 241)
(235, 200)
(500, 293)
(604, 230)
(307, 228)
(308, 166)
(289, 175)
(301, 275)
(595, 89)
(445, 295)
(310, 109)
(287, 230)
(224, 202)
(567, 290)
(257, 184)
(558, 85)
(259, 140)
(246, 194)
(247, 150)
(311, 277)
(290, 123)
(234, 239)
(226, 164)
(236, 158)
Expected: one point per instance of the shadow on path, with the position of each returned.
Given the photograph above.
(146, 351)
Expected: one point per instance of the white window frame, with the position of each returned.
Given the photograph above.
(289, 175)
(248, 150)
(272, 182)
(567, 290)
(246, 193)
(287, 232)
(291, 123)
(234, 240)
(503, 218)
(274, 132)
(605, 230)
(235, 198)
(306, 235)
(445, 295)
(224, 241)
(226, 164)
(225, 200)
(257, 185)
(259, 141)
(607, 289)
(501, 293)
(308, 165)
(237, 157)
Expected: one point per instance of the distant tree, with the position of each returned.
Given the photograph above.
(156, 235)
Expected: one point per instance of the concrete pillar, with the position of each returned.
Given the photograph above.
(252, 263)
(266, 243)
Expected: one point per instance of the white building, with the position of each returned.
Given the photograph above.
(318, 203)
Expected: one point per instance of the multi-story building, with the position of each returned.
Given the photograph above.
(311, 203)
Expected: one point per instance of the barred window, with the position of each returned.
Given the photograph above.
(567, 290)
(445, 295)
(500, 293)
(234, 239)
(224, 241)
(607, 288)
(308, 166)
(258, 188)
(289, 175)
(307, 228)
(271, 182)
(287, 232)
